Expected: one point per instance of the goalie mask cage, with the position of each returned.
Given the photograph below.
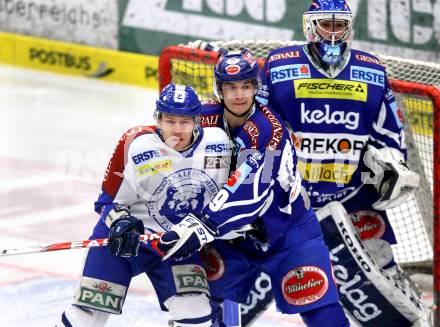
(416, 222)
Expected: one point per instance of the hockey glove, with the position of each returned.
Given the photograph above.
(393, 180)
(185, 239)
(124, 236)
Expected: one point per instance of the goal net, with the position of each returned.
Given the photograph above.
(414, 84)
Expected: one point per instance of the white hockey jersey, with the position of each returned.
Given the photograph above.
(159, 185)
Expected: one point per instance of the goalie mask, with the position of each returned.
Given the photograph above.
(328, 28)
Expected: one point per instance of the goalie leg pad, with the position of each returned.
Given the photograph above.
(190, 310)
(369, 295)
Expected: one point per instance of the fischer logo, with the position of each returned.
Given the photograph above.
(350, 120)
(349, 285)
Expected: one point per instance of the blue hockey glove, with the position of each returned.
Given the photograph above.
(185, 239)
(124, 236)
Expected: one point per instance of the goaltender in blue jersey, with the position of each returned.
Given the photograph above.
(349, 136)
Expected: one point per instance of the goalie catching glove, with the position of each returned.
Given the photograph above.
(185, 239)
(393, 180)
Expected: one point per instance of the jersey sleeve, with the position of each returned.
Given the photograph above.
(387, 129)
(119, 184)
(249, 192)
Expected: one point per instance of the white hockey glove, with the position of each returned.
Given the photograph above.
(393, 180)
(185, 239)
(201, 45)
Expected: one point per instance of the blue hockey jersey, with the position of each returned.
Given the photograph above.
(265, 188)
(332, 119)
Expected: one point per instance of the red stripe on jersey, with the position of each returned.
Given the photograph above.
(252, 130)
(114, 174)
(277, 128)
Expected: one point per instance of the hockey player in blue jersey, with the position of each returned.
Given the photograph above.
(347, 127)
(156, 176)
(262, 209)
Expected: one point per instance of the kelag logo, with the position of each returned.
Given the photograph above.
(226, 19)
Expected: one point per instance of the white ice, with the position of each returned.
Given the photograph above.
(56, 136)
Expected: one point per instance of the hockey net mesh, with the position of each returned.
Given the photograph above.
(413, 221)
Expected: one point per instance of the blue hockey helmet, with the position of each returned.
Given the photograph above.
(178, 100)
(328, 24)
(235, 66)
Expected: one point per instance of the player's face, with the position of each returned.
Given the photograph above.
(328, 27)
(238, 96)
(177, 131)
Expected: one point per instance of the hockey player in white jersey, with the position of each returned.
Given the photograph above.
(156, 176)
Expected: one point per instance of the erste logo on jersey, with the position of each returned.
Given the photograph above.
(367, 75)
(349, 120)
(180, 193)
(147, 155)
(304, 285)
(289, 72)
(369, 224)
(218, 148)
(333, 89)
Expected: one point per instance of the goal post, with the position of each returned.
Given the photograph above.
(417, 222)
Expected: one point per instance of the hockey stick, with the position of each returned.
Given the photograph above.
(68, 245)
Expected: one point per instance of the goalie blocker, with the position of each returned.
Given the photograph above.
(368, 294)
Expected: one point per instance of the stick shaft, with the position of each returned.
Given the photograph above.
(67, 245)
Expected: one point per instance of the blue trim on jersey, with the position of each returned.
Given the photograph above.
(104, 205)
(65, 321)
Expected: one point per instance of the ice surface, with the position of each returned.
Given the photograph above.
(56, 136)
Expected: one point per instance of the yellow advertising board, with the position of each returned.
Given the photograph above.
(75, 59)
